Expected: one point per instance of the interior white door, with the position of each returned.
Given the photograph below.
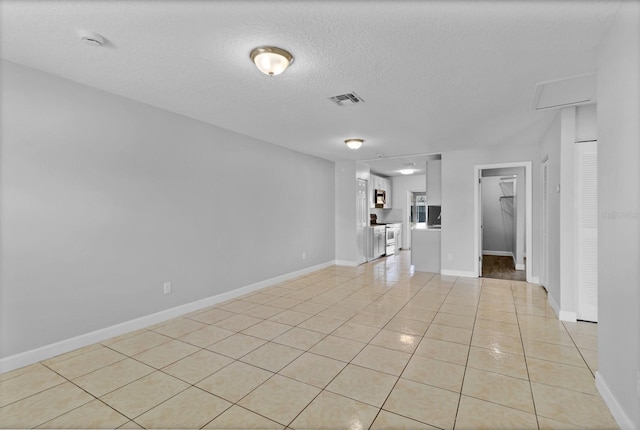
(362, 215)
(587, 230)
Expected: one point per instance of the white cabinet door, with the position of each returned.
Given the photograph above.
(370, 192)
(374, 183)
(388, 185)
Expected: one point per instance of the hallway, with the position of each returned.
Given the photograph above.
(499, 267)
(375, 346)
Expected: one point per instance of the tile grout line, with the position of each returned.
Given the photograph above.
(526, 364)
(351, 363)
(277, 373)
(579, 349)
(389, 300)
(412, 355)
(79, 387)
(466, 366)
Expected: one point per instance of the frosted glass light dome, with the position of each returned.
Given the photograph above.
(354, 143)
(271, 60)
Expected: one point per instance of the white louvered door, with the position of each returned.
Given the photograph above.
(587, 230)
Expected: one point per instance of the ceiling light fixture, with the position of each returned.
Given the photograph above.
(406, 171)
(354, 143)
(271, 60)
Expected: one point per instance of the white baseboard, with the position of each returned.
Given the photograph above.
(498, 253)
(520, 266)
(567, 316)
(345, 263)
(47, 351)
(459, 273)
(553, 305)
(616, 410)
(533, 280)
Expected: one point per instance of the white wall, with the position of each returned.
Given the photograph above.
(434, 182)
(619, 214)
(458, 188)
(573, 124)
(568, 216)
(346, 250)
(586, 123)
(103, 199)
(550, 147)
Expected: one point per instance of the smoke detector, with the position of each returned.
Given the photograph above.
(91, 38)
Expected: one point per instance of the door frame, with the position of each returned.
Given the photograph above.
(362, 215)
(543, 272)
(528, 214)
(407, 219)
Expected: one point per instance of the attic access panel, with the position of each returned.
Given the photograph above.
(563, 92)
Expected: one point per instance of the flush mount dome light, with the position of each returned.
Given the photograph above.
(406, 171)
(354, 143)
(271, 60)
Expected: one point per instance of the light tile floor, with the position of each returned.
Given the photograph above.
(377, 346)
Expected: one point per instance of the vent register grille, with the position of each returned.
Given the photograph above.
(348, 99)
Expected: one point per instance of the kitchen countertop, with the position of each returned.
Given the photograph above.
(426, 229)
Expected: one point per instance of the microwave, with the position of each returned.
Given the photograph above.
(380, 198)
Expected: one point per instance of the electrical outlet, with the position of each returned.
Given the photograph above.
(304, 255)
(167, 287)
(450, 257)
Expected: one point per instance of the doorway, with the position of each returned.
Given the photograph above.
(416, 214)
(503, 227)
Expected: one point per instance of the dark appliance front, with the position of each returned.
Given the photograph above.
(380, 198)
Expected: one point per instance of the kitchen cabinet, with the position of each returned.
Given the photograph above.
(377, 242)
(387, 184)
(434, 182)
(379, 183)
(371, 191)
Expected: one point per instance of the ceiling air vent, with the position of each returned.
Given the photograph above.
(346, 99)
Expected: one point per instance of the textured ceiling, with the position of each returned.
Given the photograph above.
(435, 76)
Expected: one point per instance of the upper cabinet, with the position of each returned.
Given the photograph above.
(379, 183)
(434, 175)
